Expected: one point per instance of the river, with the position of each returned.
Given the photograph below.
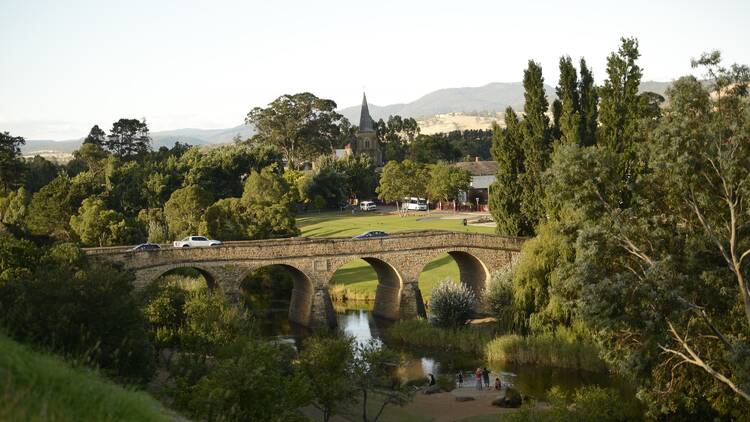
(362, 326)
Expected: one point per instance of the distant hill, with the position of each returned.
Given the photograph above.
(159, 139)
(439, 111)
(493, 97)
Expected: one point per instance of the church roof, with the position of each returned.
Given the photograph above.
(365, 120)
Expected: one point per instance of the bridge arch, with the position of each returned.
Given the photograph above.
(303, 291)
(210, 277)
(472, 271)
(388, 291)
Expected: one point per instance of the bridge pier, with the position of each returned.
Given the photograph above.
(412, 303)
(322, 314)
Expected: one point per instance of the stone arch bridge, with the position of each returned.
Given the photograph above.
(397, 260)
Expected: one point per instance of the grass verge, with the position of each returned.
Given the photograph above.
(40, 387)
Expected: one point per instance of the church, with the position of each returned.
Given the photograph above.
(366, 141)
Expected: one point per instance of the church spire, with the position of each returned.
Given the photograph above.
(365, 120)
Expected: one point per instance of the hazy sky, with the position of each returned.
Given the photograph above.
(66, 65)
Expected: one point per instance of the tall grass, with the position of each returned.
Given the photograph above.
(40, 387)
(562, 348)
(342, 293)
(419, 333)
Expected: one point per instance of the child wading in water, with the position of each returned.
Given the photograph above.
(478, 375)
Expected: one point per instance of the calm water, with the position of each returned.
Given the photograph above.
(362, 326)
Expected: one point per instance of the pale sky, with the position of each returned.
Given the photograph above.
(66, 65)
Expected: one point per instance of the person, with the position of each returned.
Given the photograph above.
(486, 376)
(432, 379)
(478, 375)
(460, 378)
(498, 384)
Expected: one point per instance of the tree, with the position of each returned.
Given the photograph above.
(92, 155)
(226, 219)
(156, 224)
(269, 211)
(433, 148)
(50, 209)
(505, 194)
(96, 136)
(402, 180)
(39, 171)
(184, 210)
(255, 385)
(662, 278)
(301, 126)
(567, 92)
(128, 138)
(325, 363)
(14, 208)
(447, 181)
(619, 105)
(536, 144)
(371, 374)
(95, 225)
(11, 166)
(589, 101)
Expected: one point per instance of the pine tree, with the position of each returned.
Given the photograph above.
(567, 93)
(588, 106)
(505, 193)
(619, 107)
(536, 143)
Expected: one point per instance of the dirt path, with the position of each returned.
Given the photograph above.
(443, 407)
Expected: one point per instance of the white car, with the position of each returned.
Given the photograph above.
(368, 206)
(196, 242)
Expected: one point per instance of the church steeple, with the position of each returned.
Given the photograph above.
(365, 120)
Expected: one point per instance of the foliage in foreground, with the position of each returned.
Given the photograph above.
(588, 404)
(36, 386)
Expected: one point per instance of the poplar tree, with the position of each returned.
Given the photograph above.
(588, 106)
(536, 143)
(505, 192)
(619, 106)
(567, 94)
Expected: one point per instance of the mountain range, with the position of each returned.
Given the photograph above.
(490, 98)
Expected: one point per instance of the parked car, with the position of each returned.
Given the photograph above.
(368, 206)
(414, 204)
(145, 247)
(371, 234)
(196, 242)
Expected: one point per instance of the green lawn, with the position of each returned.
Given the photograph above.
(40, 387)
(358, 276)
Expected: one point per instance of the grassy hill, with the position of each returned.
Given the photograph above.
(41, 387)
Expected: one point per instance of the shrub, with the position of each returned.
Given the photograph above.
(502, 306)
(589, 404)
(451, 304)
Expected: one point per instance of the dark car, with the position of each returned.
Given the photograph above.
(146, 247)
(368, 235)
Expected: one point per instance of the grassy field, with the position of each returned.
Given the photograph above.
(357, 277)
(40, 387)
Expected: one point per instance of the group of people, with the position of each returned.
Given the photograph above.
(482, 376)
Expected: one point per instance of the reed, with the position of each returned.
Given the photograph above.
(419, 333)
(561, 349)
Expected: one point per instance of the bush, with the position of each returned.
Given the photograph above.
(589, 404)
(500, 303)
(451, 304)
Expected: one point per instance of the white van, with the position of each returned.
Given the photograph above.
(367, 206)
(414, 204)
